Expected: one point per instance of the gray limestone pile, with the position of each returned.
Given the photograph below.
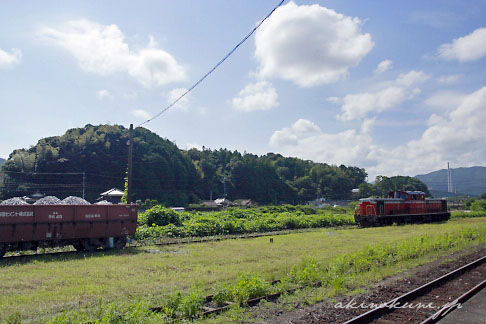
(14, 201)
(73, 200)
(103, 202)
(48, 200)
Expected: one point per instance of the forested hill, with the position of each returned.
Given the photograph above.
(470, 181)
(55, 166)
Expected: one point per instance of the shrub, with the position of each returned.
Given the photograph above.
(192, 303)
(479, 205)
(159, 215)
(249, 286)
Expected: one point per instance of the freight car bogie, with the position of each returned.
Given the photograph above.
(88, 245)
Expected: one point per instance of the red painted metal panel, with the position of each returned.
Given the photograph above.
(367, 208)
(82, 230)
(22, 232)
(97, 230)
(16, 214)
(67, 231)
(417, 207)
(6, 233)
(131, 227)
(121, 228)
(122, 212)
(54, 213)
(39, 232)
(114, 229)
(392, 208)
(65, 222)
(90, 213)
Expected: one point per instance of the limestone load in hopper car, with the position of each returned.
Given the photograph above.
(73, 200)
(14, 201)
(103, 202)
(48, 200)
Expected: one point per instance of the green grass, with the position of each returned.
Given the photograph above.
(41, 287)
(469, 214)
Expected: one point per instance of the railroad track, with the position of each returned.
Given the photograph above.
(430, 302)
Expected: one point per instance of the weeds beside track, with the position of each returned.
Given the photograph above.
(338, 275)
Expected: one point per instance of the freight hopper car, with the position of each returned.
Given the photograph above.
(401, 207)
(86, 227)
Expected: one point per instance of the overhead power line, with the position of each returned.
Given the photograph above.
(214, 68)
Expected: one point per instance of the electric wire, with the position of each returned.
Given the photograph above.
(214, 67)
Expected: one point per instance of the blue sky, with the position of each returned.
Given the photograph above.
(396, 87)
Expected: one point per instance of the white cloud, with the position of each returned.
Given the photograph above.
(104, 94)
(356, 106)
(456, 136)
(130, 95)
(448, 79)
(411, 78)
(306, 140)
(256, 96)
(183, 103)
(310, 45)
(383, 66)
(8, 60)
(140, 113)
(445, 100)
(102, 49)
(334, 100)
(367, 125)
(468, 48)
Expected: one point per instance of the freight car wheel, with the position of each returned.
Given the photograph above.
(120, 242)
(89, 245)
(78, 246)
(2, 250)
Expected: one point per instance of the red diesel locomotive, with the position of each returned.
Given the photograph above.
(400, 207)
(86, 227)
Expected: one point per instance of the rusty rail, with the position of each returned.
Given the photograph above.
(387, 307)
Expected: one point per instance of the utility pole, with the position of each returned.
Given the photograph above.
(129, 176)
(449, 178)
(84, 181)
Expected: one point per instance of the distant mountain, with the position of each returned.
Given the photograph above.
(469, 181)
(2, 161)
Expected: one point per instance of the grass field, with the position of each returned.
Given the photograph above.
(37, 288)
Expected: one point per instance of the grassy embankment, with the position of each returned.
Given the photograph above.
(94, 285)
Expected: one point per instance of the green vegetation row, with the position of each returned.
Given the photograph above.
(477, 209)
(338, 275)
(470, 214)
(159, 222)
